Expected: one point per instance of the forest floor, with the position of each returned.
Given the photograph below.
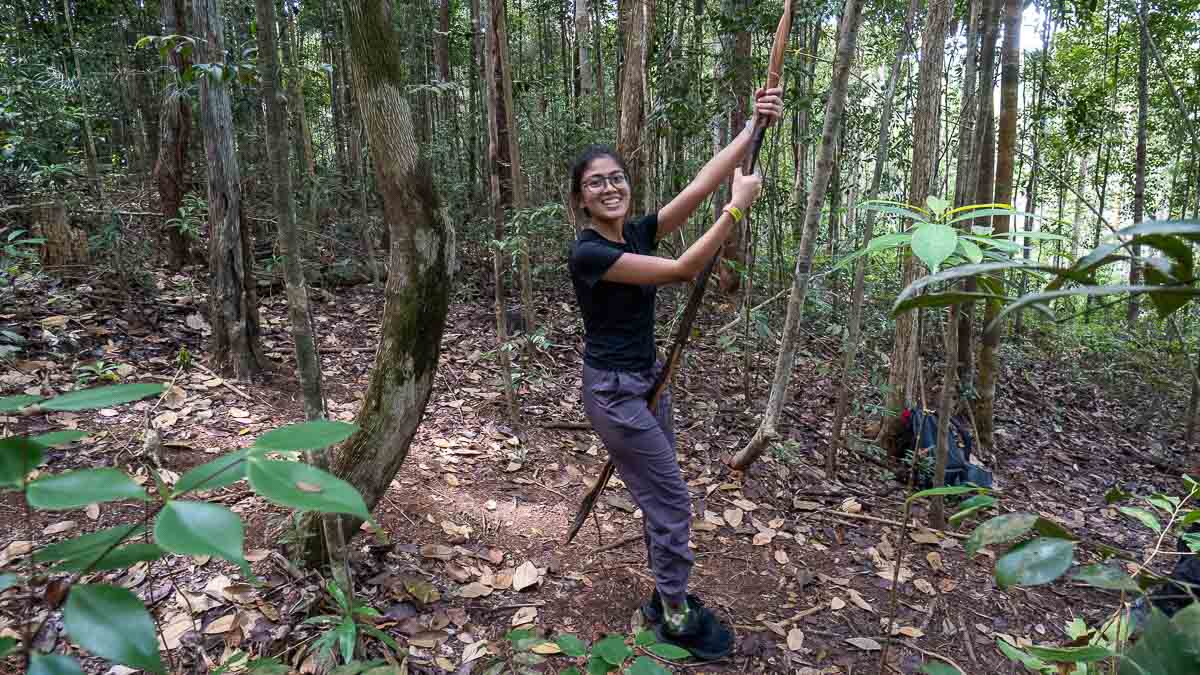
(778, 548)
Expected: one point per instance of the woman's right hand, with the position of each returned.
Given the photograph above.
(745, 189)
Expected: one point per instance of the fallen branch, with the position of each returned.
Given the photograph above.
(617, 544)
(732, 324)
(885, 521)
(935, 655)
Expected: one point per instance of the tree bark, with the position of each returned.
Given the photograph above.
(89, 138)
(422, 260)
(905, 359)
(587, 86)
(834, 109)
(1006, 147)
(175, 127)
(1139, 176)
(854, 327)
(232, 293)
(741, 77)
(632, 118)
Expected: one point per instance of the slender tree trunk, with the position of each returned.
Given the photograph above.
(905, 360)
(175, 125)
(1080, 207)
(89, 138)
(233, 296)
(800, 185)
(632, 119)
(422, 261)
(854, 327)
(1032, 192)
(502, 180)
(834, 108)
(741, 77)
(1139, 177)
(587, 86)
(947, 404)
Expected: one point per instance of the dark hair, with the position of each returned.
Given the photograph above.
(585, 158)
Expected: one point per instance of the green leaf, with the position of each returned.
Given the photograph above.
(943, 491)
(1161, 502)
(347, 636)
(18, 456)
(645, 638)
(1034, 562)
(1163, 649)
(669, 651)
(939, 668)
(598, 666)
(103, 397)
(1031, 662)
(571, 671)
(7, 581)
(515, 636)
(75, 489)
(612, 649)
(896, 209)
(1087, 291)
(644, 665)
(944, 300)
(933, 243)
(1086, 654)
(1115, 494)
(529, 659)
(973, 505)
(224, 470)
(200, 528)
(11, 403)
(1142, 515)
(1106, 576)
(970, 250)
(59, 437)
(1049, 528)
(7, 644)
(85, 549)
(999, 244)
(1000, 529)
(53, 664)
(112, 623)
(118, 558)
(302, 486)
(937, 205)
(311, 435)
(571, 645)
(888, 240)
(982, 213)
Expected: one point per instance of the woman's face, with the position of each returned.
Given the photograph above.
(605, 190)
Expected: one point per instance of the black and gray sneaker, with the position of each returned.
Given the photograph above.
(702, 634)
(652, 609)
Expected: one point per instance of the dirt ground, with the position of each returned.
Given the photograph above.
(478, 502)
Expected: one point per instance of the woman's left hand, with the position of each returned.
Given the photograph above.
(768, 103)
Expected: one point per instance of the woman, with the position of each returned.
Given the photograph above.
(615, 277)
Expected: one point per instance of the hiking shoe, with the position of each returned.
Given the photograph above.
(703, 635)
(652, 608)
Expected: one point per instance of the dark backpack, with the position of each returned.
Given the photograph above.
(920, 431)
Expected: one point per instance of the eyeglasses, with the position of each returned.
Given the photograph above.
(597, 183)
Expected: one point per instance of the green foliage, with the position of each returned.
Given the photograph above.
(613, 653)
(111, 622)
(352, 620)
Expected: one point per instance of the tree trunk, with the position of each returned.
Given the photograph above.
(232, 293)
(64, 245)
(946, 406)
(854, 327)
(1032, 192)
(800, 185)
(834, 108)
(1139, 178)
(905, 359)
(89, 138)
(632, 118)
(741, 78)
(501, 177)
(1006, 148)
(175, 126)
(422, 260)
(967, 171)
(587, 86)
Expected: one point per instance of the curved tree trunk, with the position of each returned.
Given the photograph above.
(232, 294)
(834, 108)
(175, 127)
(1006, 148)
(421, 263)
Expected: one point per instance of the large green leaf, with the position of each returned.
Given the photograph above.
(998, 530)
(612, 649)
(103, 397)
(669, 651)
(200, 528)
(1001, 244)
(11, 403)
(964, 271)
(18, 456)
(896, 209)
(6, 645)
(224, 470)
(112, 623)
(970, 251)
(1186, 228)
(1049, 528)
(61, 437)
(1085, 654)
(1094, 291)
(944, 300)
(933, 243)
(302, 486)
(644, 665)
(75, 489)
(1034, 562)
(1106, 576)
(571, 645)
(1165, 648)
(1013, 653)
(84, 551)
(939, 668)
(53, 664)
(1142, 515)
(943, 491)
(311, 435)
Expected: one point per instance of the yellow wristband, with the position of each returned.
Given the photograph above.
(735, 212)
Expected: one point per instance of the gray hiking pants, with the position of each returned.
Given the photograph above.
(642, 446)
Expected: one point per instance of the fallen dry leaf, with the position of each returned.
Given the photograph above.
(734, 517)
(238, 413)
(546, 648)
(451, 480)
(174, 397)
(924, 586)
(438, 551)
(745, 504)
(795, 639)
(526, 576)
(474, 590)
(911, 631)
(837, 603)
(781, 556)
(925, 537)
(428, 639)
(92, 511)
(935, 560)
(524, 615)
(221, 625)
(947, 585)
(173, 630)
(257, 554)
(474, 651)
(851, 505)
(763, 538)
(504, 578)
(858, 600)
(866, 644)
(59, 527)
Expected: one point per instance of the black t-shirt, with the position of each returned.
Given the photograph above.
(618, 319)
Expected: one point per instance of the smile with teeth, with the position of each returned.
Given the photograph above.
(611, 202)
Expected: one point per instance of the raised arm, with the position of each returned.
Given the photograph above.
(632, 268)
(672, 216)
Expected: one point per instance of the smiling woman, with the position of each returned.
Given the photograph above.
(616, 275)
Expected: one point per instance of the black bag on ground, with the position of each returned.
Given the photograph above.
(920, 431)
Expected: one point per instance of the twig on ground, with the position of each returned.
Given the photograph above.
(224, 382)
(935, 655)
(617, 544)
